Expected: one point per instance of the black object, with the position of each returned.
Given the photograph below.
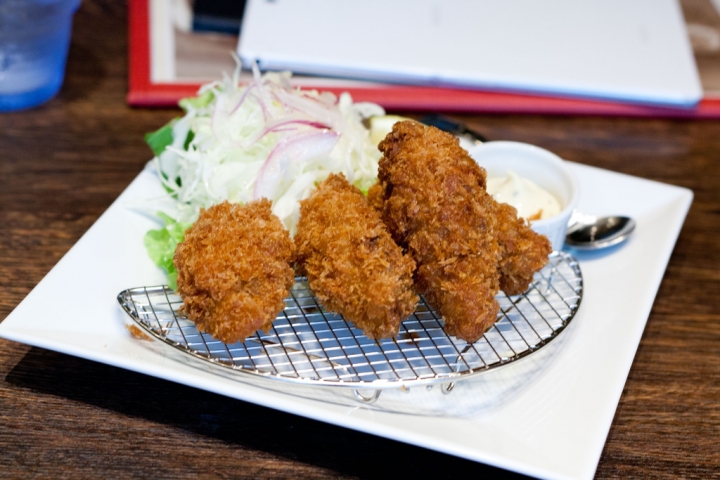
(449, 125)
(221, 16)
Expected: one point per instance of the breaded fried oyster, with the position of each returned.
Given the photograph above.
(352, 264)
(234, 269)
(436, 207)
(524, 251)
(465, 244)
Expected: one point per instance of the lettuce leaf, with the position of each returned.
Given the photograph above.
(196, 102)
(160, 138)
(161, 245)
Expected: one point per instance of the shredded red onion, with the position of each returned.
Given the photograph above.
(290, 150)
(280, 125)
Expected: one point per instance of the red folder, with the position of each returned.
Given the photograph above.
(144, 93)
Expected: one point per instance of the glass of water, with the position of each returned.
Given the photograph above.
(34, 41)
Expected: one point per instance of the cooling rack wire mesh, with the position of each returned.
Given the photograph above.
(309, 345)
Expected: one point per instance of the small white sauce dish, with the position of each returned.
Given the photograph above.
(544, 168)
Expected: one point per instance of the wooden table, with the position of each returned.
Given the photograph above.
(62, 165)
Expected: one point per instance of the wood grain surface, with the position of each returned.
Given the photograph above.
(61, 165)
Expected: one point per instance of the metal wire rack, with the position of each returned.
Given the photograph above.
(310, 345)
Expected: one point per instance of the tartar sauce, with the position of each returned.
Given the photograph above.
(532, 202)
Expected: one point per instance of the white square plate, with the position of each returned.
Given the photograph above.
(546, 416)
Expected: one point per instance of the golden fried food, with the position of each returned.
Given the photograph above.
(375, 196)
(524, 252)
(234, 269)
(352, 264)
(436, 206)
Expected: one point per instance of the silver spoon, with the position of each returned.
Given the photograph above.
(593, 233)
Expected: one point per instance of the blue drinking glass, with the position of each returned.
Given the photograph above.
(34, 41)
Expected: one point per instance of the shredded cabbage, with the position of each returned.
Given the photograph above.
(240, 142)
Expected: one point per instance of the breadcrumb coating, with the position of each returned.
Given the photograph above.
(375, 196)
(524, 251)
(436, 207)
(467, 246)
(352, 264)
(234, 269)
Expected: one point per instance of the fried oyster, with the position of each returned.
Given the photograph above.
(465, 244)
(352, 264)
(234, 269)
